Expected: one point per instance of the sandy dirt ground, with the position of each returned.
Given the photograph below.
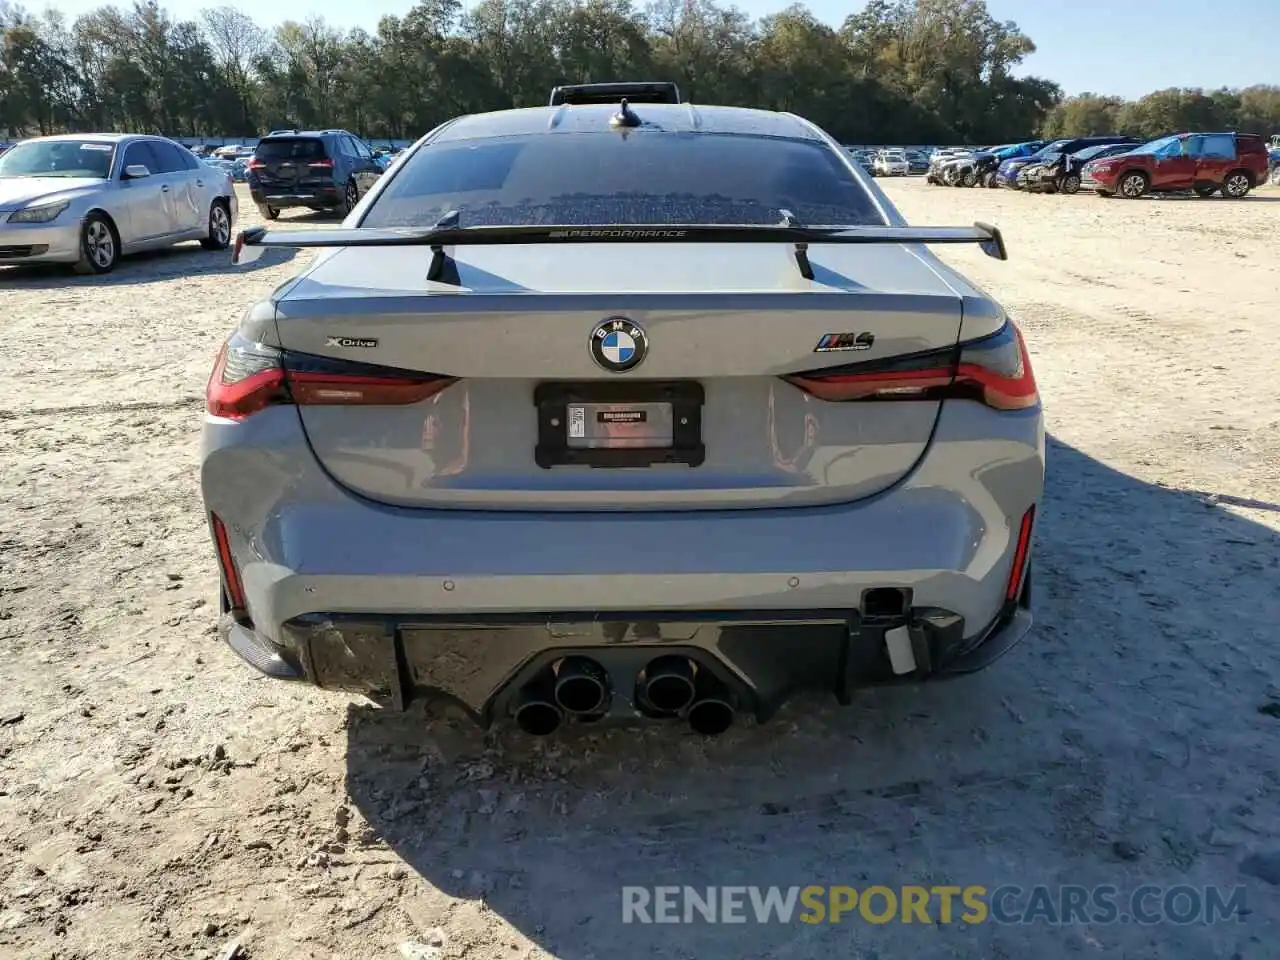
(158, 799)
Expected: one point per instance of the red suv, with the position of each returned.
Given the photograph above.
(1204, 162)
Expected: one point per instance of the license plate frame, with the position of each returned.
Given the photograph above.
(553, 400)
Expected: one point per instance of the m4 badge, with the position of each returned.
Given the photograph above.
(839, 342)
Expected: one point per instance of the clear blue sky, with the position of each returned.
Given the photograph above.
(1104, 46)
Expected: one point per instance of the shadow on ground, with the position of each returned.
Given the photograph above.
(154, 266)
(1126, 742)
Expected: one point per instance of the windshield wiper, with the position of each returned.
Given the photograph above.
(251, 243)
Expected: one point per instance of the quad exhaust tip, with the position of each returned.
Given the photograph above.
(710, 717)
(667, 684)
(581, 686)
(538, 718)
(712, 710)
(536, 712)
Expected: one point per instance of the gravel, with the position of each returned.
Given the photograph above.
(1131, 740)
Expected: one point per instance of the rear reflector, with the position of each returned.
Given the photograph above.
(995, 370)
(327, 164)
(1020, 554)
(248, 377)
(230, 572)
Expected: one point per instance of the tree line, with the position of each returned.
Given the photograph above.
(900, 71)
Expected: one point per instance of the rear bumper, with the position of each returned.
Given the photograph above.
(1037, 183)
(305, 197)
(460, 604)
(758, 658)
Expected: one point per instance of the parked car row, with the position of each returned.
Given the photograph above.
(1205, 163)
(237, 169)
(891, 161)
(1051, 156)
(971, 169)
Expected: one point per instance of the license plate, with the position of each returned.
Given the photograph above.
(619, 426)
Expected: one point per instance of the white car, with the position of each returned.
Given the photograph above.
(88, 199)
(892, 163)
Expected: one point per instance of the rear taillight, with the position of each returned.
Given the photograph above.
(995, 370)
(248, 377)
(255, 165)
(324, 164)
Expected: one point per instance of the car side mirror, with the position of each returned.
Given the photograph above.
(136, 171)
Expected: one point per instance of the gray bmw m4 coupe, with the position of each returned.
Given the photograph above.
(622, 412)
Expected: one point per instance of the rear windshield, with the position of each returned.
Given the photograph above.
(293, 148)
(611, 178)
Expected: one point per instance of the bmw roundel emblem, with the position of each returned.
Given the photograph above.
(618, 345)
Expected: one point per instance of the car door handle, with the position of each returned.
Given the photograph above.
(199, 183)
(165, 188)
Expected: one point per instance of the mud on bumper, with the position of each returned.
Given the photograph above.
(749, 661)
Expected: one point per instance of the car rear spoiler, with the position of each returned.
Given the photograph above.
(650, 91)
(251, 243)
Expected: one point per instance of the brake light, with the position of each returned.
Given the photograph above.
(248, 377)
(326, 164)
(994, 370)
(255, 164)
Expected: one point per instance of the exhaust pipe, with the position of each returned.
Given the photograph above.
(711, 714)
(582, 686)
(536, 713)
(667, 684)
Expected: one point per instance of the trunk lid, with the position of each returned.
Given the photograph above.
(732, 322)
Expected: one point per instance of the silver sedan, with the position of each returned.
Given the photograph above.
(88, 199)
(573, 425)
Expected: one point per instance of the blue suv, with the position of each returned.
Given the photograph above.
(317, 169)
